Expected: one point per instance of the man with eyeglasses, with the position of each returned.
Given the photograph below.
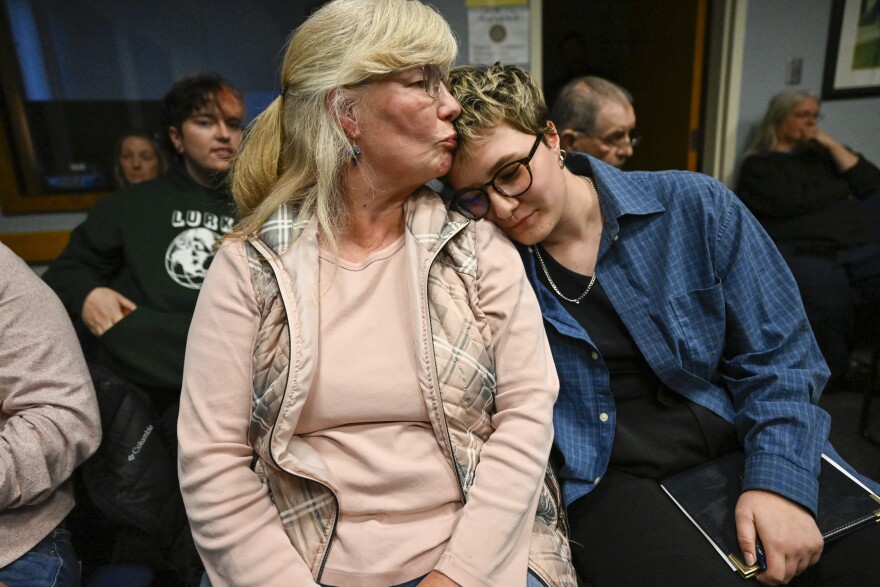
(595, 116)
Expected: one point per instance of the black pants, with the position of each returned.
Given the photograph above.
(830, 286)
(629, 532)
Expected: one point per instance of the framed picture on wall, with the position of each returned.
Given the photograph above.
(852, 58)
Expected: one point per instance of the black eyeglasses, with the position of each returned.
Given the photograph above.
(511, 181)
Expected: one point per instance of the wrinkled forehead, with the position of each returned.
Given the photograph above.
(615, 114)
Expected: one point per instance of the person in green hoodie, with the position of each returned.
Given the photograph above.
(129, 278)
(132, 270)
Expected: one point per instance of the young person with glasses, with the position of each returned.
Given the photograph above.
(368, 391)
(678, 336)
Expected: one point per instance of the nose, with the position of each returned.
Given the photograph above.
(501, 208)
(626, 149)
(223, 132)
(449, 108)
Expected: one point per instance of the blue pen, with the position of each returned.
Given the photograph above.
(762, 556)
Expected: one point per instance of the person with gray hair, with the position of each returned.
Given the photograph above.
(820, 203)
(595, 116)
(368, 389)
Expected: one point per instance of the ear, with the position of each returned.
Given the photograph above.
(567, 139)
(176, 138)
(339, 105)
(551, 136)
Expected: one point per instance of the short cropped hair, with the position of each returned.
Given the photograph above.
(580, 101)
(493, 95)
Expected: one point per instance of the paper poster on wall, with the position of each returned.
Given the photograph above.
(498, 31)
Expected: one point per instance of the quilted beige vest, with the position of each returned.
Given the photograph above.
(306, 504)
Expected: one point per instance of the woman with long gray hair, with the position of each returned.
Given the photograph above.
(820, 203)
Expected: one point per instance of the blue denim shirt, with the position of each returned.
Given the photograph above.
(715, 311)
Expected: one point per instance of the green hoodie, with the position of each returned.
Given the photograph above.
(151, 242)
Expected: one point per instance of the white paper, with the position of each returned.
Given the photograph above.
(499, 34)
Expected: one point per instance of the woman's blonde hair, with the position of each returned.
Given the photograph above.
(492, 95)
(296, 150)
(781, 105)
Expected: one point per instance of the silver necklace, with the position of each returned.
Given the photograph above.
(578, 299)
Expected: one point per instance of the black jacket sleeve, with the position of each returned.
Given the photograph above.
(782, 185)
(863, 178)
(92, 257)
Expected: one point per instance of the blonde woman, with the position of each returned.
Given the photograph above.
(368, 390)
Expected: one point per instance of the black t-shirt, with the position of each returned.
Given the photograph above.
(658, 432)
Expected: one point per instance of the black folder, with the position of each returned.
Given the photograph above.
(707, 494)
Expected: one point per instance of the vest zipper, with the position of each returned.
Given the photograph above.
(272, 434)
(434, 375)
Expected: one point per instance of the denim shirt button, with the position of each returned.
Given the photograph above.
(595, 355)
(603, 417)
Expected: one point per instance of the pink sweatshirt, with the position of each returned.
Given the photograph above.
(235, 524)
(49, 420)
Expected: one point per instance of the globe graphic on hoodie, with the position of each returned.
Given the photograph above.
(189, 255)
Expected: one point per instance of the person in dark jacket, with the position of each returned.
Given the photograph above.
(130, 277)
(820, 203)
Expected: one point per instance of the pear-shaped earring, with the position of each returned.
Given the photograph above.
(562, 156)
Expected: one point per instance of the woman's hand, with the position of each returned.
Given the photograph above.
(791, 539)
(437, 579)
(103, 308)
(843, 157)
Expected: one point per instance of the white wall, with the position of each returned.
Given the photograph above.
(777, 31)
